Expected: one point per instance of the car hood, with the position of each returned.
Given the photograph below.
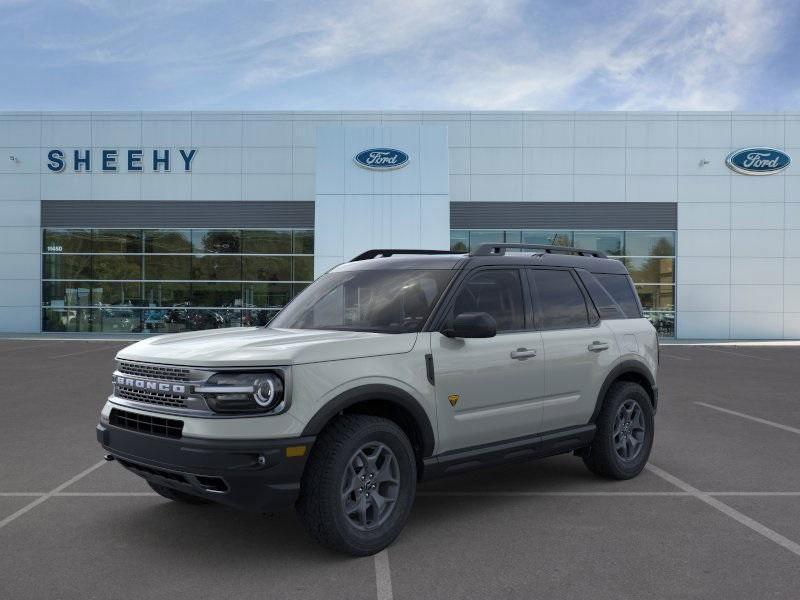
(259, 346)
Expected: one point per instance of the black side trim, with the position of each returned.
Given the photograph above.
(524, 448)
(429, 369)
(628, 366)
(386, 393)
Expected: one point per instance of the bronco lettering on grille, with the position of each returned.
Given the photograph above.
(144, 384)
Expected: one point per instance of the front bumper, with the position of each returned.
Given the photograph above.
(252, 475)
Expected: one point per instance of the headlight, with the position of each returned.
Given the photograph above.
(240, 393)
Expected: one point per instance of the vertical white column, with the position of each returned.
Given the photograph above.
(358, 209)
(20, 266)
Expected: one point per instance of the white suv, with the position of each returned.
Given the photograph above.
(398, 366)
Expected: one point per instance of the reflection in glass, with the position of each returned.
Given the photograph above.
(267, 268)
(167, 267)
(217, 267)
(155, 281)
(267, 295)
(651, 270)
(67, 266)
(67, 240)
(478, 237)
(664, 322)
(650, 243)
(167, 294)
(547, 238)
(304, 241)
(117, 240)
(267, 241)
(216, 294)
(167, 241)
(226, 241)
(117, 266)
(656, 297)
(459, 240)
(609, 242)
(303, 268)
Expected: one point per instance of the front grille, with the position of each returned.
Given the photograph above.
(170, 428)
(149, 397)
(155, 371)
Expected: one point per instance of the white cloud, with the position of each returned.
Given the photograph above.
(473, 54)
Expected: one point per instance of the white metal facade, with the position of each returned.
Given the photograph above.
(738, 242)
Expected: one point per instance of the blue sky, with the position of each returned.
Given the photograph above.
(391, 54)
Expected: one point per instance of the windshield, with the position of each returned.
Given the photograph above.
(382, 301)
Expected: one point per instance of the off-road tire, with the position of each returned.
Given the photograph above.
(177, 495)
(602, 457)
(320, 505)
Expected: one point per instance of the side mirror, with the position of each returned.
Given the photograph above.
(472, 325)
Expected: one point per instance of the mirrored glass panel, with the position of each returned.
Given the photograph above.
(226, 241)
(649, 243)
(123, 241)
(167, 241)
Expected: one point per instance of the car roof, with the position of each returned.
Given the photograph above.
(431, 259)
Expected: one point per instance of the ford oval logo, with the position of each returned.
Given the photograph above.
(758, 161)
(381, 159)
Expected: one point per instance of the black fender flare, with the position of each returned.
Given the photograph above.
(383, 392)
(623, 368)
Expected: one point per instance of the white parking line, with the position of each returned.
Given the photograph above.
(383, 576)
(437, 494)
(759, 528)
(104, 494)
(741, 354)
(751, 418)
(84, 351)
(49, 494)
(675, 356)
(546, 494)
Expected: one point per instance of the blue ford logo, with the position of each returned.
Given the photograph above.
(758, 161)
(381, 159)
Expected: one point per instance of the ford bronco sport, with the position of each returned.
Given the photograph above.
(397, 366)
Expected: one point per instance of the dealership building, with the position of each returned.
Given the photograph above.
(118, 222)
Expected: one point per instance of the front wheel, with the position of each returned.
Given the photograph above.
(624, 436)
(359, 485)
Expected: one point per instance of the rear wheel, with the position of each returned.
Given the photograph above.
(624, 437)
(176, 495)
(359, 485)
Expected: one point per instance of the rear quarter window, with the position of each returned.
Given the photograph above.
(620, 288)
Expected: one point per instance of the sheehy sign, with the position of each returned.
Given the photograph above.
(112, 160)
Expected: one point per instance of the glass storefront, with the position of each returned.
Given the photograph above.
(648, 255)
(170, 280)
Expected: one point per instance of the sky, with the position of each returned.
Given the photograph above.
(400, 55)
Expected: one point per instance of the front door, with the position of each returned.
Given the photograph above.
(489, 389)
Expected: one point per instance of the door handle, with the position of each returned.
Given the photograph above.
(522, 353)
(597, 346)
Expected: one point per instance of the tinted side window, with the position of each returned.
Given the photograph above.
(561, 302)
(497, 292)
(606, 305)
(621, 290)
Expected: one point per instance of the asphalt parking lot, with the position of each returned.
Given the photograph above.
(716, 515)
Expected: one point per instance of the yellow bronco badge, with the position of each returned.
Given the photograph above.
(453, 398)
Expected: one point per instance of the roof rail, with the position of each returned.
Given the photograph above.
(384, 252)
(500, 250)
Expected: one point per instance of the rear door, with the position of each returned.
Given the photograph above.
(579, 348)
(490, 389)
